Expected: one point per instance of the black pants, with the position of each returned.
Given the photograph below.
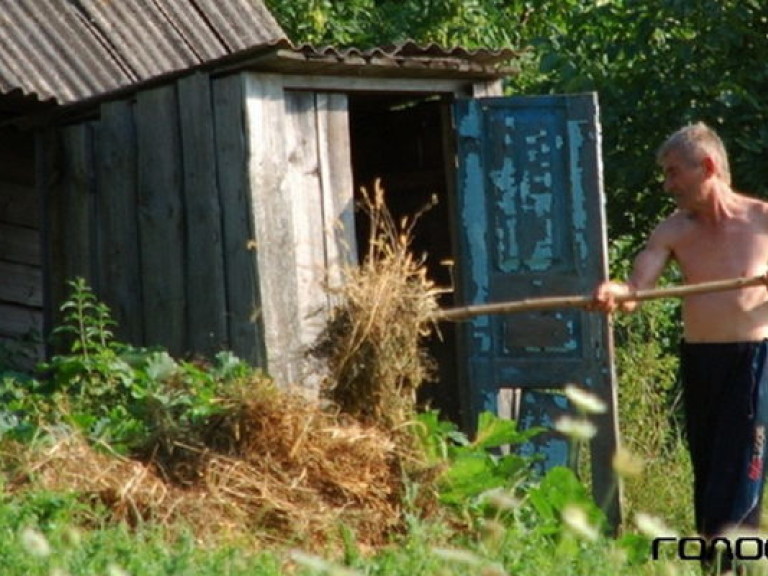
(725, 393)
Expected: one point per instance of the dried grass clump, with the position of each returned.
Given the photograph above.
(373, 340)
(68, 463)
(282, 469)
(316, 470)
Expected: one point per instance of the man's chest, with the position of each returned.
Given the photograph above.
(725, 252)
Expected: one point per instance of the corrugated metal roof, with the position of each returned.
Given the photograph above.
(403, 60)
(479, 62)
(410, 49)
(71, 50)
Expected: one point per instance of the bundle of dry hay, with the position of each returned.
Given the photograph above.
(374, 341)
(280, 470)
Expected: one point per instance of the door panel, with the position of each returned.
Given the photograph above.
(532, 224)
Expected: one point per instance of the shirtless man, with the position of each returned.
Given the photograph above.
(715, 233)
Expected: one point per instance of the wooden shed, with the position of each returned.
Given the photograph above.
(200, 172)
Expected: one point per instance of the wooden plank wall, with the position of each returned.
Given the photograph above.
(21, 291)
(206, 214)
(137, 206)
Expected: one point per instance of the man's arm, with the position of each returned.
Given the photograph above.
(646, 270)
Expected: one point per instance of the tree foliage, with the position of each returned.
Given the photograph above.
(367, 23)
(656, 65)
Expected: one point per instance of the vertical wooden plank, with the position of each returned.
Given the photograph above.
(337, 186)
(452, 370)
(245, 322)
(273, 224)
(508, 402)
(65, 173)
(473, 270)
(306, 193)
(161, 221)
(303, 185)
(119, 261)
(77, 206)
(48, 181)
(206, 301)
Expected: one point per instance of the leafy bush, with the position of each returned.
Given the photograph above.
(136, 400)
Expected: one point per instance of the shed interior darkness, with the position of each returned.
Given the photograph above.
(403, 140)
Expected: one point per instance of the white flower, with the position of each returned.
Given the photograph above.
(627, 464)
(72, 536)
(320, 564)
(652, 526)
(115, 570)
(467, 558)
(578, 429)
(500, 499)
(35, 543)
(576, 519)
(585, 401)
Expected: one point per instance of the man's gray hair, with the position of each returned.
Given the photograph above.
(693, 142)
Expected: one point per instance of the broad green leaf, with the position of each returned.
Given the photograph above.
(160, 366)
(493, 432)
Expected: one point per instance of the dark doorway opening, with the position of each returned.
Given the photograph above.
(405, 141)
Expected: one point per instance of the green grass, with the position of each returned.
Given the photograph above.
(427, 549)
(39, 537)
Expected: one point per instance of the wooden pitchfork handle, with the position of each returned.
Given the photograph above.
(555, 302)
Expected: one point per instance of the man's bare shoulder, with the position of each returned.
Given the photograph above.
(757, 208)
(672, 227)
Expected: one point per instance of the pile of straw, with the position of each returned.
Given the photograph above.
(373, 344)
(287, 472)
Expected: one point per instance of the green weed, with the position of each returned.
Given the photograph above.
(136, 400)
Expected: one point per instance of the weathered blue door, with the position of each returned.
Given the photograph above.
(530, 204)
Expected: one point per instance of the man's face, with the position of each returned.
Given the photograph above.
(683, 179)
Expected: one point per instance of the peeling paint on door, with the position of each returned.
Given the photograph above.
(579, 199)
(532, 225)
(474, 222)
